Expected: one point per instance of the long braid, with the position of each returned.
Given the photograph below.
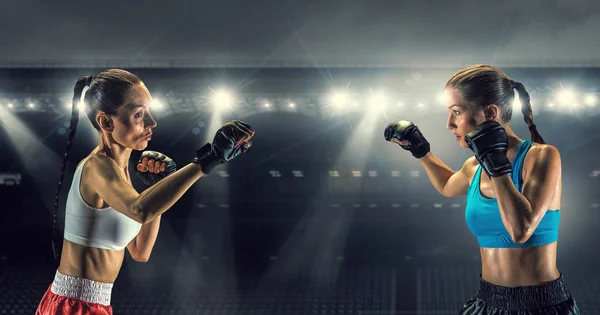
(527, 111)
(77, 93)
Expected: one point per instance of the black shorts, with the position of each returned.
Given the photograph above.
(547, 298)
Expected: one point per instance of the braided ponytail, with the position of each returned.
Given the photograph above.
(527, 112)
(81, 84)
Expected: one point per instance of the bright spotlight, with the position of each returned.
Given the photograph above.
(377, 102)
(442, 97)
(566, 97)
(339, 99)
(292, 105)
(267, 104)
(10, 105)
(591, 100)
(31, 105)
(516, 104)
(81, 106)
(222, 98)
(157, 104)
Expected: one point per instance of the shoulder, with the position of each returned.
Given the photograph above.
(543, 153)
(542, 158)
(470, 166)
(101, 165)
(472, 161)
(94, 160)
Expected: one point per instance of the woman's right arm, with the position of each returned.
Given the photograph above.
(114, 189)
(444, 179)
(231, 140)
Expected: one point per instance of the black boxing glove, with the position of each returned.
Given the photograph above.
(150, 178)
(489, 142)
(230, 141)
(407, 130)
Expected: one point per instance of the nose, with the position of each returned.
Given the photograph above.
(450, 122)
(150, 122)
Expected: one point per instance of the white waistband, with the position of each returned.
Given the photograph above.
(82, 289)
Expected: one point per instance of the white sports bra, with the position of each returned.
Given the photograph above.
(104, 228)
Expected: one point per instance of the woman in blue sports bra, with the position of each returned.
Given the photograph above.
(513, 190)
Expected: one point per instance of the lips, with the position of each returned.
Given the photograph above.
(457, 136)
(147, 137)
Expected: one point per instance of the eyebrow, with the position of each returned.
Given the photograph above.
(455, 105)
(132, 107)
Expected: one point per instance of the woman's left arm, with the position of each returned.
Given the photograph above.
(151, 168)
(522, 212)
(141, 246)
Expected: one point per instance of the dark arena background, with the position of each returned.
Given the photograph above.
(321, 216)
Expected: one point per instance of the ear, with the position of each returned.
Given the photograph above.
(492, 112)
(105, 122)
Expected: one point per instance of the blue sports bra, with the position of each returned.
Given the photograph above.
(483, 214)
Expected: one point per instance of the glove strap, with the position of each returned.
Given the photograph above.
(421, 151)
(420, 146)
(206, 159)
(496, 164)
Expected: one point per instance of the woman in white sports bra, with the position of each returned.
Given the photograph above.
(104, 213)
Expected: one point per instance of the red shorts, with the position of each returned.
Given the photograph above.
(73, 302)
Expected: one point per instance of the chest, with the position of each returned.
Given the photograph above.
(486, 187)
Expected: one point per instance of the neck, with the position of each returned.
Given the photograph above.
(513, 140)
(109, 147)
